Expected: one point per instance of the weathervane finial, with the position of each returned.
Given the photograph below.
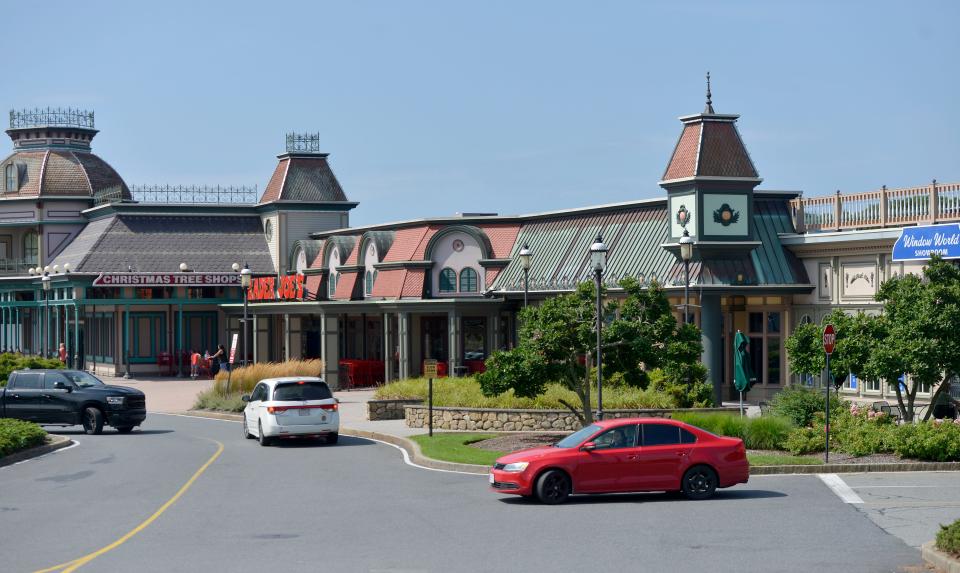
(709, 107)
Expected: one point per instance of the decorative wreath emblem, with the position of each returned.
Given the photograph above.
(725, 215)
(683, 216)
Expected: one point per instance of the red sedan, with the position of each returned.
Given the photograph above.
(625, 455)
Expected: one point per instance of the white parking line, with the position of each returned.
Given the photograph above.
(840, 487)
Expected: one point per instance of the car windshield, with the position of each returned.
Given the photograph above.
(82, 379)
(576, 438)
(292, 391)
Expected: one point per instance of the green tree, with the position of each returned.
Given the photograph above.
(557, 342)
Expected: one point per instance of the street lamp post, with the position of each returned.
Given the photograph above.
(598, 261)
(525, 254)
(245, 285)
(686, 253)
(45, 281)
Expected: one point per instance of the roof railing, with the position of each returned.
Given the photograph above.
(51, 117)
(184, 195)
(933, 203)
(303, 142)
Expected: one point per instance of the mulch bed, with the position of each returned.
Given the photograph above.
(521, 441)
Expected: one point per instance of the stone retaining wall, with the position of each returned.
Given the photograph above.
(522, 420)
(388, 409)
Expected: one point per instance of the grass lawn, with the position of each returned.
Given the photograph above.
(782, 460)
(453, 447)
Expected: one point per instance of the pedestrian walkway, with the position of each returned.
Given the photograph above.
(165, 394)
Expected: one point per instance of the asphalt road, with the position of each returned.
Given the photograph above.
(357, 507)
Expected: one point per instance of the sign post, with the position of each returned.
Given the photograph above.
(430, 371)
(233, 354)
(829, 340)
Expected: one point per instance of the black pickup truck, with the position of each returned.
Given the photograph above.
(70, 397)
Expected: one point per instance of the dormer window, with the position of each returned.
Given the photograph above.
(10, 177)
(448, 280)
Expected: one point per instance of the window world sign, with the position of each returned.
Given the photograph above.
(289, 287)
(167, 279)
(919, 243)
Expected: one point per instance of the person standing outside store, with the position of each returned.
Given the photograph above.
(194, 364)
(62, 353)
(220, 356)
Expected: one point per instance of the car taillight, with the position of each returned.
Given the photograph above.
(333, 407)
(276, 409)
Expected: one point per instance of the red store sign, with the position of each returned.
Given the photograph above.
(266, 288)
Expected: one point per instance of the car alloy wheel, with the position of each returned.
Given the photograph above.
(699, 482)
(553, 487)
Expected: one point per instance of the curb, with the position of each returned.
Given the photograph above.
(53, 444)
(938, 559)
(856, 468)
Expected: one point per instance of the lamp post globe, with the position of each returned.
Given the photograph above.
(183, 267)
(598, 263)
(525, 255)
(235, 267)
(31, 271)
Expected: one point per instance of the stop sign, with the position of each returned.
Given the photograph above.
(829, 339)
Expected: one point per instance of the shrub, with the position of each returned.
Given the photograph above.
(467, 393)
(214, 400)
(19, 435)
(696, 394)
(10, 362)
(805, 441)
(801, 404)
(721, 424)
(948, 538)
(245, 378)
(935, 441)
(860, 431)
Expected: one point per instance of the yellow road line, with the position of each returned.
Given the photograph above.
(71, 566)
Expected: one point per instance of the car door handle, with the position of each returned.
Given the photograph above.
(681, 454)
(46, 396)
(632, 458)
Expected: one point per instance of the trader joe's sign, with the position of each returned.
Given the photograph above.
(289, 287)
(919, 243)
(167, 279)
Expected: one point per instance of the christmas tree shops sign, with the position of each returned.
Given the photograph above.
(167, 279)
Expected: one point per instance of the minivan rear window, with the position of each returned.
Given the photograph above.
(293, 391)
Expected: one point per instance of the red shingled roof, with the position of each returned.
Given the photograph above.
(502, 238)
(710, 146)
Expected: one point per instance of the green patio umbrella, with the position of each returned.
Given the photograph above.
(743, 377)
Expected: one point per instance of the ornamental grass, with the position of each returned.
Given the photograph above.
(245, 378)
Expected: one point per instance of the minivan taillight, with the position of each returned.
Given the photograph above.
(276, 409)
(333, 407)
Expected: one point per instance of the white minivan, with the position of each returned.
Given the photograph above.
(291, 407)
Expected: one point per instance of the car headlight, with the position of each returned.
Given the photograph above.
(115, 400)
(516, 467)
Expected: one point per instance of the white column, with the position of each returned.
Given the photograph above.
(329, 349)
(286, 337)
(453, 346)
(403, 341)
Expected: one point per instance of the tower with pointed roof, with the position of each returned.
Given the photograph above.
(303, 196)
(710, 180)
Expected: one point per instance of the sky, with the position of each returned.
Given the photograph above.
(435, 108)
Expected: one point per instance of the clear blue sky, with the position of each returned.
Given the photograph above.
(429, 108)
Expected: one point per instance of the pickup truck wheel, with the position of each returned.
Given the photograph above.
(92, 420)
(124, 429)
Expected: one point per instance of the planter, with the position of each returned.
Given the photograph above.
(942, 561)
(474, 419)
(388, 409)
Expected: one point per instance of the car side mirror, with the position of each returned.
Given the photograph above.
(62, 386)
(245, 397)
(588, 447)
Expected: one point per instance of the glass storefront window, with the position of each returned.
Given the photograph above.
(756, 322)
(773, 360)
(773, 322)
(474, 338)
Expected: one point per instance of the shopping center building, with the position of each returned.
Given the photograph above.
(376, 301)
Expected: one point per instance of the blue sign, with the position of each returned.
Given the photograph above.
(919, 243)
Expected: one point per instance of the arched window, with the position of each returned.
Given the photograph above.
(10, 172)
(448, 280)
(368, 283)
(468, 280)
(31, 242)
(332, 285)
